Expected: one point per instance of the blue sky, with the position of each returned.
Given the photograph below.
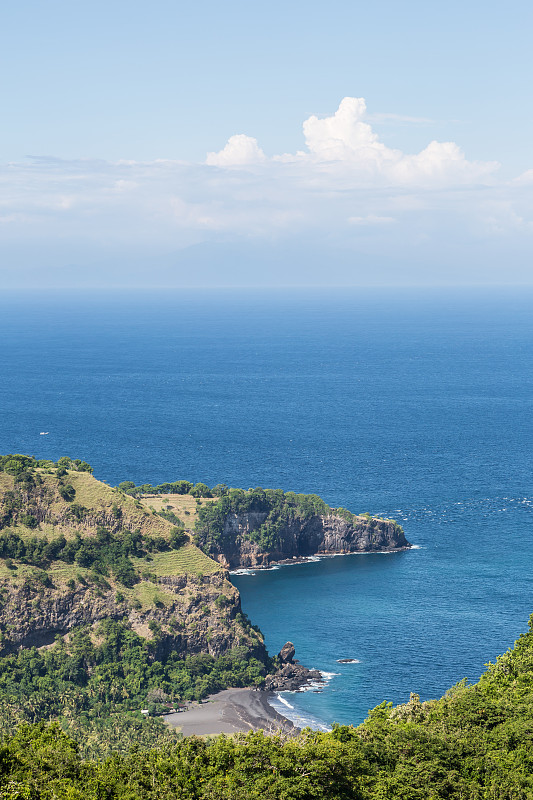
(229, 144)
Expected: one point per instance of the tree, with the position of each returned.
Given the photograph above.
(67, 491)
(200, 490)
(178, 538)
(16, 464)
(126, 486)
(181, 487)
(124, 572)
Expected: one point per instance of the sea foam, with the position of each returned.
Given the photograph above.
(298, 718)
(242, 572)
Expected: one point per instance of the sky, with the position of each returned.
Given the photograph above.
(281, 144)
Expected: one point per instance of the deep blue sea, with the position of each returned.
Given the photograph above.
(413, 404)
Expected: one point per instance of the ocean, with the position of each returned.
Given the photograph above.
(414, 404)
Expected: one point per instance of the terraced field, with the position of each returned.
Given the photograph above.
(188, 559)
(183, 506)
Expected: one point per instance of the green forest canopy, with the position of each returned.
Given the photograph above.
(475, 743)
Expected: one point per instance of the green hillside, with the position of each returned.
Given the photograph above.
(106, 608)
(475, 743)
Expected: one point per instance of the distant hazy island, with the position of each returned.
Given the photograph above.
(116, 608)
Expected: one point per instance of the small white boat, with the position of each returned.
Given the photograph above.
(44, 433)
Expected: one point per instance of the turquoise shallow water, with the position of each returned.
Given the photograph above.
(417, 405)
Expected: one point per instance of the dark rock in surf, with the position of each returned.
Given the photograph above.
(291, 676)
(286, 653)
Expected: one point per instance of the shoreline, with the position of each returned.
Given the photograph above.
(231, 711)
(287, 562)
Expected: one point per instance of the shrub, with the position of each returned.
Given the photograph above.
(29, 520)
(200, 490)
(124, 572)
(78, 511)
(126, 486)
(67, 491)
(178, 538)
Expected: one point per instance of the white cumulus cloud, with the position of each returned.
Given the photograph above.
(345, 137)
(346, 140)
(345, 192)
(240, 150)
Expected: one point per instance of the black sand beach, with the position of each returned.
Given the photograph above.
(230, 711)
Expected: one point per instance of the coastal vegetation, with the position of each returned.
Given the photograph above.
(108, 609)
(112, 612)
(176, 487)
(475, 743)
(278, 508)
(279, 505)
(105, 553)
(108, 671)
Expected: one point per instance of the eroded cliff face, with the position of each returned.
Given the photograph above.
(189, 614)
(300, 538)
(179, 598)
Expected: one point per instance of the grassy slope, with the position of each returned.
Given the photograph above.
(99, 499)
(182, 505)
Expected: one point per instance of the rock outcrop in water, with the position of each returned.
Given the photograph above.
(287, 653)
(291, 675)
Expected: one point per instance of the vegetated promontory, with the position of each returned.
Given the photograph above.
(114, 600)
(262, 526)
(258, 527)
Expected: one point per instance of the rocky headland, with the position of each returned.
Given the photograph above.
(114, 600)
(242, 538)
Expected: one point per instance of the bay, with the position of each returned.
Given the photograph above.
(416, 404)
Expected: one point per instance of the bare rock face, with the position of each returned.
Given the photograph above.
(190, 620)
(286, 653)
(326, 534)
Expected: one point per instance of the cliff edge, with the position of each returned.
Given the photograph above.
(75, 552)
(260, 527)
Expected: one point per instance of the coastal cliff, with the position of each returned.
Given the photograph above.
(184, 611)
(258, 528)
(75, 552)
(114, 604)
